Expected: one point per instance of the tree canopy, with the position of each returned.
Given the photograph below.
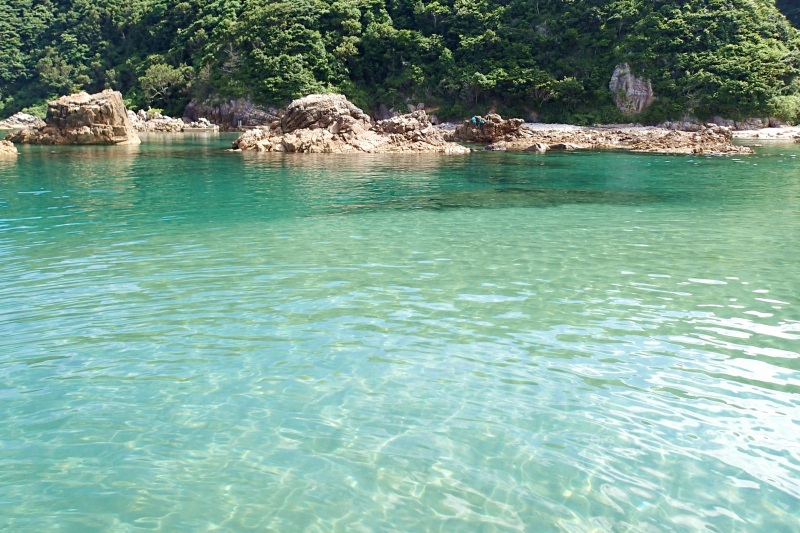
(553, 57)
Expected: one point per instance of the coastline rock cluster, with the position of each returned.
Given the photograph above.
(710, 140)
(490, 129)
(512, 134)
(158, 123)
(82, 119)
(21, 120)
(7, 150)
(329, 123)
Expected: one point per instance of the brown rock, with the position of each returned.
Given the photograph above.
(563, 147)
(714, 140)
(490, 129)
(83, 119)
(331, 124)
(7, 150)
(539, 148)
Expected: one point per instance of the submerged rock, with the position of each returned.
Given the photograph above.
(83, 119)
(330, 123)
(7, 150)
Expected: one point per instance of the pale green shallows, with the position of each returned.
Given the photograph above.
(193, 339)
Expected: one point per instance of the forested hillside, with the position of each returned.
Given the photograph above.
(554, 57)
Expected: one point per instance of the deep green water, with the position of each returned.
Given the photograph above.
(193, 339)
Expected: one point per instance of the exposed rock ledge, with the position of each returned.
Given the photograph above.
(158, 123)
(514, 135)
(82, 119)
(7, 150)
(329, 123)
(21, 120)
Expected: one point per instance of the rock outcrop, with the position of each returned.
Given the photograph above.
(489, 129)
(331, 124)
(711, 139)
(158, 123)
(230, 115)
(83, 119)
(631, 94)
(7, 150)
(21, 120)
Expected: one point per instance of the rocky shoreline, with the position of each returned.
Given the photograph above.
(330, 123)
(513, 134)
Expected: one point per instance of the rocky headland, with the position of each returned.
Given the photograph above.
(329, 123)
(82, 119)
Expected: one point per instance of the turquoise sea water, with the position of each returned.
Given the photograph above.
(193, 340)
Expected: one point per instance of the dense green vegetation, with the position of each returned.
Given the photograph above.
(553, 57)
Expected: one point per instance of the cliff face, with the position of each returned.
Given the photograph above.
(631, 94)
(83, 119)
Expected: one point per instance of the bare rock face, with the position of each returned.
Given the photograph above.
(83, 119)
(332, 124)
(751, 124)
(7, 150)
(631, 94)
(230, 115)
(21, 120)
(490, 129)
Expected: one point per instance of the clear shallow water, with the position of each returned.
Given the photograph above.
(192, 339)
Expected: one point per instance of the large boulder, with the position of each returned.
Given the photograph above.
(83, 119)
(333, 112)
(21, 120)
(331, 124)
(631, 94)
(7, 150)
(490, 130)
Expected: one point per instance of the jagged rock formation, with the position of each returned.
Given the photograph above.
(331, 124)
(21, 120)
(631, 94)
(490, 129)
(7, 150)
(83, 119)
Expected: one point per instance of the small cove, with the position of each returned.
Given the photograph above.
(194, 339)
